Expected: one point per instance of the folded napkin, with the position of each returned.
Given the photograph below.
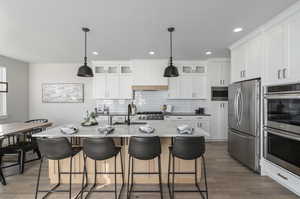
(146, 129)
(185, 129)
(69, 129)
(107, 129)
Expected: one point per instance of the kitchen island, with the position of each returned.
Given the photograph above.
(166, 130)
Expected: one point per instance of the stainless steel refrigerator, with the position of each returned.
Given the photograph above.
(244, 123)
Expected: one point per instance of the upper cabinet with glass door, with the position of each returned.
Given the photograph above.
(191, 83)
(112, 80)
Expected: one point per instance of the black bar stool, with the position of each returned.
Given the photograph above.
(187, 148)
(2, 178)
(56, 149)
(101, 149)
(143, 148)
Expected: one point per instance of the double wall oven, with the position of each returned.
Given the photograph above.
(282, 126)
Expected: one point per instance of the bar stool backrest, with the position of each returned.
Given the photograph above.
(144, 148)
(188, 148)
(55, 148)
(99, 148)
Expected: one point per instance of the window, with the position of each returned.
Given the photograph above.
(3, 87)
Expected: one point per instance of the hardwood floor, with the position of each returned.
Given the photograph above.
(227, 179)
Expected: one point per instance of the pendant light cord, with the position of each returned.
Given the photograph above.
(85, 58)
(171, 52)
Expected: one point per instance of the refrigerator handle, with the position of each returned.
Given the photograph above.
(241, 107)
(236, 97)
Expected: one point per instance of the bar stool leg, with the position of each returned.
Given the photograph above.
(196, 179)
(116, 195)
(38, 179)
(160, 181)
(122, 170)
(83, 176)
(70, 178)
(205, 179)
(169, 165)
(128, 179)
(173, 177)
(132, 171)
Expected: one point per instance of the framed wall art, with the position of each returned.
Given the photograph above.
(62, 93)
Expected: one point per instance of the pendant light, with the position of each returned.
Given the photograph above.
(85, 70)
(171, 70)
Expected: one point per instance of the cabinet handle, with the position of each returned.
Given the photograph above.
(284, 73)
(278, 74)
(241, 74)
(282, 176)
(200, 125)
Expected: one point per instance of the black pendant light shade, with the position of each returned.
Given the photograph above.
(171, 70)
(85, 70)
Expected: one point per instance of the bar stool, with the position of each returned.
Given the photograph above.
(187, 148)
(56, 149)
(101, 149)
(143, 148)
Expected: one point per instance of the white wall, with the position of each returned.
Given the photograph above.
(17, 96)
(57, 73)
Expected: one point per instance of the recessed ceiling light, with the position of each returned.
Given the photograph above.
(239, 29)
(95, 53)
(208, 52)
(151, 52)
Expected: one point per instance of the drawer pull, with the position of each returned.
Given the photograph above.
(282, 176)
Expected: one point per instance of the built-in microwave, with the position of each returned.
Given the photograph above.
(219, 93)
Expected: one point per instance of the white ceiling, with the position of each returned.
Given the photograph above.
(50, 30)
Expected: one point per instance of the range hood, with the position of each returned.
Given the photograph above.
(150, 88)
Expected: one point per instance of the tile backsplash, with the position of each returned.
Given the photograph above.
(153, 101)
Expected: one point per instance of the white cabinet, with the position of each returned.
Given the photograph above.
(112, 86)
(149, 72)
(187, 87)
(112, 80)
(218, 72)
(247, 60)
(199, 84)
(282, 52)
(238, 63)
(191, 83)
(173, 91)
(292, 72)
(197, 122)
(100, 87)
(219, 120)
(254, 57)
(276, 54)
(203, 123)
(125, 82)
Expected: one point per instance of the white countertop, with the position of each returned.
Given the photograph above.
(162, 129)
